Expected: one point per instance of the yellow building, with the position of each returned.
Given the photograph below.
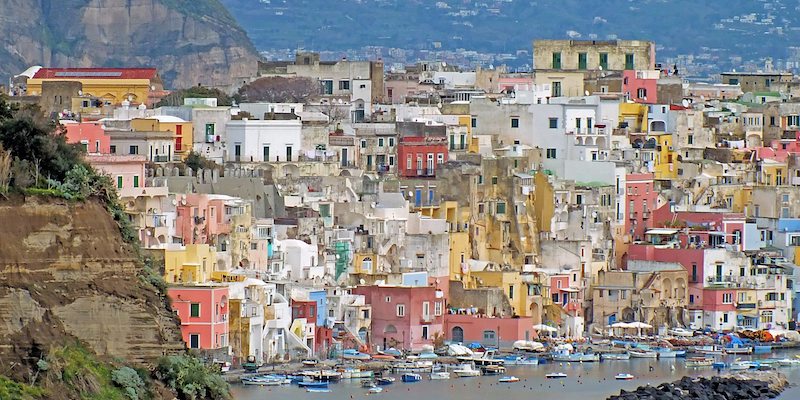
(561, 83)
(167, 123)
(460, 247)
(635, 115)
(666, 159)
(111, 85)
(192, 263)
(773, 173)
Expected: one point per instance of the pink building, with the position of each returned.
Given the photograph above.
(126, 171)
(403, 316)
(463, 328)
(201, 219)
(565, 291)
(203, 311)
(91, 135)
(641, 197)
(509, 84)
(641, 86)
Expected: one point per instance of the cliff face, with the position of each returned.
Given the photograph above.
(189, 41)
(66, 273)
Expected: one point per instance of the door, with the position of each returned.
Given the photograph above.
(194, 341)
(458, 334)
(344, 157)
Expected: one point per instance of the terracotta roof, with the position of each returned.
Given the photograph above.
(96, 73)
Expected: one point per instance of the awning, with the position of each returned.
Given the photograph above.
(569, 289)
(661, 232)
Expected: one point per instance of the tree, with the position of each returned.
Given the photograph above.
(196, 161)
(176, 98)
(276, 89)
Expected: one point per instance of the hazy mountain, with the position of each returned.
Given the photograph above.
(190, 41)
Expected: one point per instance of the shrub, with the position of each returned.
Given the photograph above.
(14, 390)
(191, 378)
(128, 379)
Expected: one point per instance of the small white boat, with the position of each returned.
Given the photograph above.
(740, 365)
(318, 390)
(508, 379)
(623, 377)
(697, 362)
(440, 375)
(375, 390)
(615, 356)
(789, 362)
(466, 371)
(643, 354)
(556, 375)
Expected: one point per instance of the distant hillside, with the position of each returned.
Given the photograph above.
(190, 41)
(741, 27)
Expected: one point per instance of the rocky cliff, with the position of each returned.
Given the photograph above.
(189, 41)
(66, 274)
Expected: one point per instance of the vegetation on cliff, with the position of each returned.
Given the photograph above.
(37, 163)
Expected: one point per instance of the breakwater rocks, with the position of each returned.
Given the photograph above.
(740, 386)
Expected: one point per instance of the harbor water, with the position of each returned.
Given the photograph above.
(584, 381)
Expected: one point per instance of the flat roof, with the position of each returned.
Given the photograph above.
(661, 232)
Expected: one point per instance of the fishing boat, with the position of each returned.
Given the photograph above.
(493, 370)
(643, 354)
(310, 362)
(351, 354)
(318, 390)
(739, 350)
(709, 350)
(312, 384)
(519, 360)
(615, 356)
(440, 375)
(508, 379)
(375, 390)
(410, 377)
(368, 384)
(555, 375)
(485, 358)
(788, 362)
(740, 365)
(355, 373)
(265, 381)
(664, 352)
(466, 370)
(696, 362)
(623, 377)
(383, 381)
(575, 357)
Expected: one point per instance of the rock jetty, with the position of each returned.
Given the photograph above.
(742, 386)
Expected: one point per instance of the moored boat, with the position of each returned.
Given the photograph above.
(312, 384)
(317, 390)
(555, 375)
(575, 357)
(615, 356)
(643, 354)
(383, 381)
(623, 377)
(375, 390)
(411, 377)
(508, 379)
(466, 370)
(696, 362)
(739, 350)
(440, 375)
(493, 370)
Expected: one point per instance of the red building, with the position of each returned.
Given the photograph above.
(403, 316)
(463, 328)
(421, 156)
(203, 311)
(641, 198)
(91, 135)
(641, 86)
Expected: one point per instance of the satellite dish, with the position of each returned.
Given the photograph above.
(174, 202)
(183, 202)
(685, 103)
(586, 92)
(600, 68)
(362, 281)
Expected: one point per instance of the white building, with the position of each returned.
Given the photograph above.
(264, 140)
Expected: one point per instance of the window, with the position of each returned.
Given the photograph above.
(793, 120)
(388, 299)
(494, 180)
(380, 142)
(727, 298)
(363, 144)
(501, 207)
(604, 61)
(474, 122)
(641, 93)
(555, 89)
(514, 122)
(629, 61)
(452, 142)
(194, 310)
(136, 181)
(327, 86)
(391, 161)
(344, 85)
(766, 317)
(725, 318)
(113, 149)
(401, 310)
(555, 297)
(408, 162)
(480, 179)
(553, 123)
(439, 158)
(551, 153)
(288, 153)
(557, 60)
(437, 308)
(772, 121)
(772, 296)
(511, 292)
(194, 341)
(785, 198)
(133, 150)
(365, 314)
(489, 335)
(266, 153)
(581, 60)
(391, 142)
(425, 332)
(578, 124)
(784, 212)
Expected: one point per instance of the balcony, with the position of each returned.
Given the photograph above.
(633, 215)
(426, 172)
(136, 192)
(155, 220)
(745, 306)
(161, 159)
(645, 214)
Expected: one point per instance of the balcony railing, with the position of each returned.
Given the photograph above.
(161, 159)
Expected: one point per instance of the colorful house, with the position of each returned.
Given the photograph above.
(110, 85)
(193, 263)
(641, 86)
(90, 135)
(167, 123)
(641, 196)
(203, 311)
(404, 317)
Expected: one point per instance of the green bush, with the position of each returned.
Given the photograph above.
(191, 378)
(128, 379)
(14, 390)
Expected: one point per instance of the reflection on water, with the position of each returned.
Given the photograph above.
(584, 381)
